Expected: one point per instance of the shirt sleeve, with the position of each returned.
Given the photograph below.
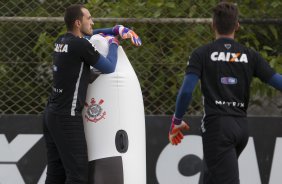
(185, 94)
(104, 30)
(262, 69)
(108, 64)
(194, 64)
(276, 81)
(89, 53)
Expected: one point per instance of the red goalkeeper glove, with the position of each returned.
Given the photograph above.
(126, 33)
(175, 135)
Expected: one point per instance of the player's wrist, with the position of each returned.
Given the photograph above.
(114, 41)
(176, 121)
(116, 29)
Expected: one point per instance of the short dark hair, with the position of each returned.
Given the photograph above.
(73, 13)
(225, 17)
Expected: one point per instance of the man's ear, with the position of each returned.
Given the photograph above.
(237, 26)
(77, 23)
(213, 26)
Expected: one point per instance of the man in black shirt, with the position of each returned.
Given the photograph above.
(63, 124)
(225, 69)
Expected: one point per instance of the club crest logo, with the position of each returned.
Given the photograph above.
(227, 46)
(94, 111)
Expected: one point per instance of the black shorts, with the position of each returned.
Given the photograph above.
(67, 160)
(224, 139)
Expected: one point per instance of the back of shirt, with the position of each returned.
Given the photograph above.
(226, 68)
(72, 58)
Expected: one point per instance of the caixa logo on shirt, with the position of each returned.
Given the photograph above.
(61, 47)
(94, 111)
(229, 57)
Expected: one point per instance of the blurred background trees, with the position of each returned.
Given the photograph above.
(25, 60)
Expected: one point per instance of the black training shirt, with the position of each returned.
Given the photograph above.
(72, 58)
(226, 68)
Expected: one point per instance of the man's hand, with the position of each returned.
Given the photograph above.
(111, 39)
(175, 135)
(126, 33)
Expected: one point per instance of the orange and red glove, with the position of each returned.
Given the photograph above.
(175, 134)
(126, 33)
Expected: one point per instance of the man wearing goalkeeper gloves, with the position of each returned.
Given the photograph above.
(67, 160)
(225, 69)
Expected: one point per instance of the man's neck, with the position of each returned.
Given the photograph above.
(230, 36)
(76, 33)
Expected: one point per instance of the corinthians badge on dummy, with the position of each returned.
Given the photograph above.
(94, 111)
